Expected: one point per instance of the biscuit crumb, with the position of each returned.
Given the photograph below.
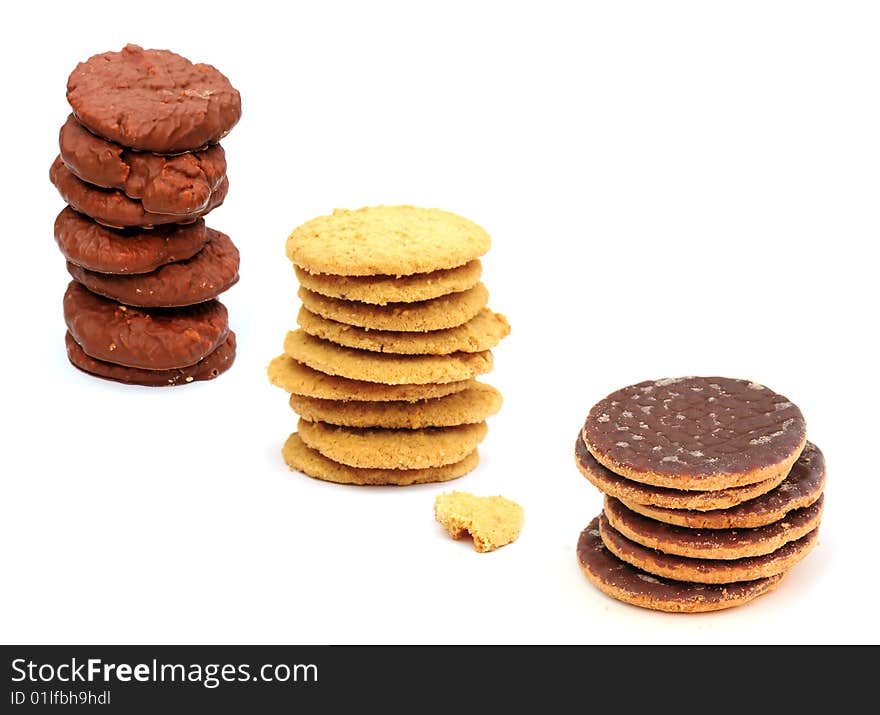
(492, 522)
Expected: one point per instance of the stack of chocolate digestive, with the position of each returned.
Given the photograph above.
(140, 166)
(712, 492)
(394, 327)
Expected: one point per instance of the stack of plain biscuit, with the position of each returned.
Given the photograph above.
(394, 327)
(712, 492)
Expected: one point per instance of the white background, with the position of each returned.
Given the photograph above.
(672, 188)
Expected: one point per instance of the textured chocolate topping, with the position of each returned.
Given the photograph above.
(635, 492)
(682, 568)
(155, 339)
(712, 543)
(203, 277)
(113, 208)
(179, 185)
(624, 582)
(208, 368)
(154, 100)
(125, 251)
(695, 432)
(799, 489)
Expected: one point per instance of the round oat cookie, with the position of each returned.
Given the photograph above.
(392, 449)
(473, 404)
(718, 571)
(155, 339)
(153, 100)
(125, 252)
(802, 487)
(386, 240)
(626, 583)
(206, 275)
(207, 368)
(447, 311)
(113, 208)
(299, 379)
(180, 185)
(482, 332)
(304, 459)
(382, 290)
(702, 433)
(635, 492)
(389, 369)
(712, 543)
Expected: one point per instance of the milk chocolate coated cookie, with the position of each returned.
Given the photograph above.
(299, 379)
(158, 339)
(703, 433)
(208, 368)
(180, 185)
(626, 583)
(203, 277)
(802, 487)
(382, 290)
(153, 100)
(311, 462)
(113, 208)
(635, 492)
(712, 543)
(720, 571)
(125, 251)
(386, 240)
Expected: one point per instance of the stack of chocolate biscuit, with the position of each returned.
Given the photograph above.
(394, 327)
(140, 166)
(712, 492)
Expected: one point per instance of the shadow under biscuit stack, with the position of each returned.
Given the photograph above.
(712, 493)
(139, 167)
(394, 327)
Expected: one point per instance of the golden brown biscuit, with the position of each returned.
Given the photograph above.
(492, 522)
(388, 369)
(392, 449)
(440, 313)
(473, 404)
(382, 290)
(303, 459)
(483, 332)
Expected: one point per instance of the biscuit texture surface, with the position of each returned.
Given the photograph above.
(392, 449)
(482, 332)
(492, 522)
(386, 240)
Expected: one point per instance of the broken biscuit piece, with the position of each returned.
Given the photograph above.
(492, 522)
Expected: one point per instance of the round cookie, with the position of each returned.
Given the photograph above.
(635, 492)
(130, 251)
(482, 332)
(712, 543)
(113, 208)
(180, 185)
(718, 571)
(211, 271)
(207, 368)
(299, 379)
(382, 290)
(386, 240)
(153, 100)
(473, 404)
(304, 459)
(392, 449)
(626, 583)
(385, 368)
(802, 487)
(447, 311)
(158, 339)
(702, 433)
